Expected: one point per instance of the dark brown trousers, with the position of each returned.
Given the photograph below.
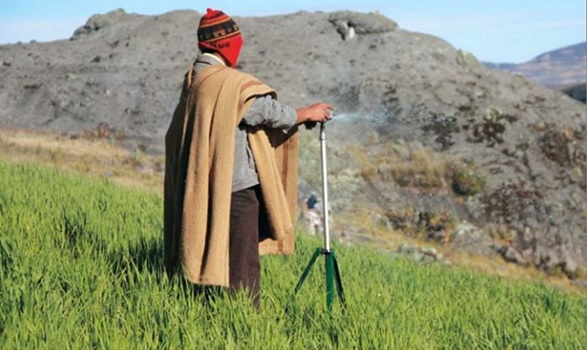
(248, 225)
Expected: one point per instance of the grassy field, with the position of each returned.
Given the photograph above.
(81, 267)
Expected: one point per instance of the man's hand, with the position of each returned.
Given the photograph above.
(316, 113)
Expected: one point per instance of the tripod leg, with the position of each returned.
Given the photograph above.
(339, 288)
(307, 270)
(329, 259)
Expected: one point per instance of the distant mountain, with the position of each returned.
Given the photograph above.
(555, 69)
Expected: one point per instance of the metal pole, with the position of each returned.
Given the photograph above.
(325, 205)
(331, 266)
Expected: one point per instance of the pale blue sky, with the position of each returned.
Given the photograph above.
(496, 31)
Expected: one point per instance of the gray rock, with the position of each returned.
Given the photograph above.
(97, 22)
(348, 23)
(420, 254)
(580, 283)
(471, 238)
(512, 255)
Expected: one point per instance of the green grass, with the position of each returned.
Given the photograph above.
(81, 267)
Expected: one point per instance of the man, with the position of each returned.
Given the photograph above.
(230, 168)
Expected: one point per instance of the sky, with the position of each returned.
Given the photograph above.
(511, 31)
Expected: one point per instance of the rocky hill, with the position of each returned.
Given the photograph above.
(556, 68)
(576, 91)
(427, 141)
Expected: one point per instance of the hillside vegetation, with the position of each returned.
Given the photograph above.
(81, 267)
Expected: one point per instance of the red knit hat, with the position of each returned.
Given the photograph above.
(219, 33)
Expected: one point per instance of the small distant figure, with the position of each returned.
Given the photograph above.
(311, 201)
(312, 218)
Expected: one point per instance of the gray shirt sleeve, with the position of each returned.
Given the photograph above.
(266, 111)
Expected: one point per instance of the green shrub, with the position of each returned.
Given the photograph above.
(466, 181)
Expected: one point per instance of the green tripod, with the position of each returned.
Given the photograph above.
(331, 265)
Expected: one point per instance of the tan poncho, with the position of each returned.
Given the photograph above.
(199, 148)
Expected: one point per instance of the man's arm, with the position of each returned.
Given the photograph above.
(316, 113)
(269, 112)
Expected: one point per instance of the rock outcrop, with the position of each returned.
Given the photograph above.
(426, 137)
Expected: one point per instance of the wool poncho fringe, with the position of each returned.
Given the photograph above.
(199, 157)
